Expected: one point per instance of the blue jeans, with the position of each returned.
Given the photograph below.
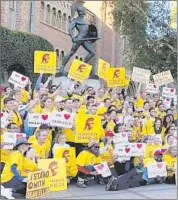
(145, 176)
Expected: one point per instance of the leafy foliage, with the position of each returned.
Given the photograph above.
(152, 43)
(17, 48)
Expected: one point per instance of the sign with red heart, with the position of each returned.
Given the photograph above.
(103, 169)
(168, 92)
(152, 88)
(127, 150)
(157, 169)
(120, 138)
(18, 80)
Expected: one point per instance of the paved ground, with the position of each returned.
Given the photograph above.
(161, 191)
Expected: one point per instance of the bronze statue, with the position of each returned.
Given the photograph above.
(87, 35)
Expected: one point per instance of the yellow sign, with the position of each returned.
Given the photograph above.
(87, 127)
(57, 168)
(116, 77)
(70, 158)
(79, 70)
(45, 62)
(103, 66)
(38, 184)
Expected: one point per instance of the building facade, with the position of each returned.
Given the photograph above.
(51, 19)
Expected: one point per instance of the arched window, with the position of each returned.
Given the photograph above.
(58, 21)
(69, 21)
(48, 14)
(57, 57)
(81, 59)
(42, 11)
(64, 19)
(62, 55)
(53, 22)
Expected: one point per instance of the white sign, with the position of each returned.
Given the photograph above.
(141, 75)
(120, 138)
(61, 119)
(103, 169)
(9, 139)
(152, 88)
(169, 92)
(125, 151)
(175, 99)
(167, 102)
(163, 78)
(36, 119)
(3, 118)
(157, 169)
(18, 80)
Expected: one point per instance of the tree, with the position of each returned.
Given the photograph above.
(17, 48)
(152, 42)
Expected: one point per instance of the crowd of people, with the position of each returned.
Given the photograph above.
(143, 116)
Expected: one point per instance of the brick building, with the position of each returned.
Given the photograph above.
(50, 19)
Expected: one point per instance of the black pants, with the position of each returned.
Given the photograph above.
(16, 185)
(2, 166)
(131, 179)
(121, 167)
(78, 147)
(170, 180)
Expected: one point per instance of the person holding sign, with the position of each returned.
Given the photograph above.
(11, 176)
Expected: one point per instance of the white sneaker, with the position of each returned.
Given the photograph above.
(6, 192)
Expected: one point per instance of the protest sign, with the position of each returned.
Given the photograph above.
(167, 102)
(18, 80)
(79, 70)
(120, 138)
(4, 119)
(125, 151)
(168, 92)
(163, 78)
(175, 99)
(38, 184)
(157, 169)
(87, 128)
(36, 119)
(45, 62)
(141, 75)
(61, 119)
(103, 169)
(10, 139)
(116, 77)
(70, 158)
(103, 66)
(57, 168)
(152, 88)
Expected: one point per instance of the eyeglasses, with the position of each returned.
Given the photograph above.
(96, 147)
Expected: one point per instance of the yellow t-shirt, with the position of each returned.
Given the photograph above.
(171, 162)
(24, 97)
(136, 134)
(28, 166)
(15, 158)
(147, 161)
(86, 158)
(149, 151)
(41, 150)
(139, 102)
(2, 101)
(5, 153)
(108, 154)
(101, 110)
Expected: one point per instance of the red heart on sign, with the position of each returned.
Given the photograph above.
(19, 135)
(1, 115)
(172, 90)
(154, 86)
(168, 99)
(23, 78)
(139, 146)
(159, 165)
(127, 150)
(100, 167)
(44, 117)
(123, 134)
(66, 116)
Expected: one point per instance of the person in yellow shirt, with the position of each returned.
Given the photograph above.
(11, 176)
(13, 116)
(170, 157)
(41, 147)
(102, 110)
(161, 111)
(148, 139)
(146, 107)
(85, 162)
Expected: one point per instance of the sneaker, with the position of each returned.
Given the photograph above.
(111, 182)
(6, 193)
(114, 186)
(81, 184)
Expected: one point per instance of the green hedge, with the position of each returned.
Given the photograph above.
(18, 47)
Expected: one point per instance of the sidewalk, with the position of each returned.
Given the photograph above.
(162, 191)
